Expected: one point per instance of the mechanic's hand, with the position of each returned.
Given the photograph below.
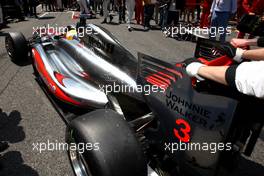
(193, 68)
(239, 43)
(187, 62)
(232, 52)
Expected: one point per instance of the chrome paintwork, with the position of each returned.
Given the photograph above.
(87, 67)
(74, 86)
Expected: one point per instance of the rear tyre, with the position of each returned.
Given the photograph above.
(16, 46)
(116, 151)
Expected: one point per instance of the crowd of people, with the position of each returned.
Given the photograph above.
(202, 13)
(27, 7)
(164, 13)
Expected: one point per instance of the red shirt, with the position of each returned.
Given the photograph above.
(207, 4)
(257, 7)
(190, 3)
(246, 6)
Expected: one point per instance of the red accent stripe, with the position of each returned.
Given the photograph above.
(175, 72)
(163, 79)
(51, 84)
(59, 77)
(221, 61)
(157, 80)
(154, 81)
(168, 76)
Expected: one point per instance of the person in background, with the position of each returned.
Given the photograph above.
(33, 8)
(83, 6)
(51, 5)
(220, 14)
(148, 13)
(130, 12)
(164, 4)
(97, 5)
(44, 5)
(121, 10)
(1, 16)
(106, 4)
(257, 7)
(65, 4)
(198, 10)
(139, 12)
(156, 11)
(90, 4)
(59, 5)
(189, 9)
(251, 7)
(243, 7)
(25, 7)
(19, 8)
(206, 6)
(173, 13)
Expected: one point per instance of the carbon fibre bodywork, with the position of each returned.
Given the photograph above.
(187, 118)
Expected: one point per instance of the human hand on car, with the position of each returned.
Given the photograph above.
(239, 43)
(231, 51)
(192, 68)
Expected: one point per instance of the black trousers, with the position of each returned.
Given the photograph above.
(122, 10)
(50, 4)
(173, 17)
(148, 14)
(25, 7)
(65, 3)
(32, 7)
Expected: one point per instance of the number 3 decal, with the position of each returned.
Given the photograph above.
(184, 135)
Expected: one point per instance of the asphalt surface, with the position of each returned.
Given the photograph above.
(27, 116)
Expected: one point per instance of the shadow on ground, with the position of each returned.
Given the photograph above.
(46, 17)
(11, 162)
(261, 136)
(248, 168)
(10, 130)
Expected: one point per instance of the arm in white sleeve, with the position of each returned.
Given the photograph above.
(247, 78)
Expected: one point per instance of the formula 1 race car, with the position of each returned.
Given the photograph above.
(139, 117)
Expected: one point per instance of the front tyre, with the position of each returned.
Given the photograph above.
(16, 46)
(116, 150)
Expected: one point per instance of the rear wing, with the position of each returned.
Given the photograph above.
(205, 118)
(156, 72)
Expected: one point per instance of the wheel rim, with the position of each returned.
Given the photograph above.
(79, 165)
(9, 47)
